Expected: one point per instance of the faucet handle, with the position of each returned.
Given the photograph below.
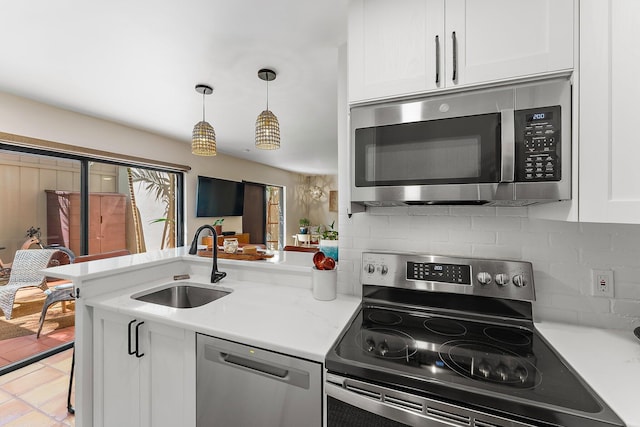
(217, 276)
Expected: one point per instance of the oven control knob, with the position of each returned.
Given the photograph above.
(484, 369)
(502, 279)
(518, 280)
(521, 374)
(502, 372)
(370, 344)
(383, 348)
(384, 270)
(370, 268)
(484, 278)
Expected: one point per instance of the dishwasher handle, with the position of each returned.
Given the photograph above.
(255, 365)
(275, 371)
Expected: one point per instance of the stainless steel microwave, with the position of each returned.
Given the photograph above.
(505, 146)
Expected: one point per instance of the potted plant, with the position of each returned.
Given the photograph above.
(217, 224)
(304, 225)
(329, 242)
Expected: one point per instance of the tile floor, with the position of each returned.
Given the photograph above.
(36, 395)
(16, 349)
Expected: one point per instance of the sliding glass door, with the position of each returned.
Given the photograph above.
(85, 206)
(37, 195)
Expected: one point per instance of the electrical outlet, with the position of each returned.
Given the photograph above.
(602, 283)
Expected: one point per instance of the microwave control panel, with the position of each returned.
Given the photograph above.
(538, 144)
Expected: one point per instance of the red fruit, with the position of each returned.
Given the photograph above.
(328, 263)
(318, 258)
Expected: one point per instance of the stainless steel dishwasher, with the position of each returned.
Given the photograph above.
(239, 385)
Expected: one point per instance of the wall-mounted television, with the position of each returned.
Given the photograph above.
(219, 197)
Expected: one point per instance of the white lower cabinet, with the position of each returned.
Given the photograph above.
(144, 372)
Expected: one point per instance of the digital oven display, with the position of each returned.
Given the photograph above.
(541, 115)
(444, 273)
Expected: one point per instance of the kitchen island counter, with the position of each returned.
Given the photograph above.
(285, 319)
(281, 261)
(271, 304)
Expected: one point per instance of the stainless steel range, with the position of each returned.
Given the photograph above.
(443, 341)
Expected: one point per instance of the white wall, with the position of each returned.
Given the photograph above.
(24, 117)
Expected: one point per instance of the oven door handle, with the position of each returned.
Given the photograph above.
(373, 399)
(507, 145)
(370, 403)
(407, 408)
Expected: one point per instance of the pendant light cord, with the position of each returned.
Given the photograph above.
(203, 94)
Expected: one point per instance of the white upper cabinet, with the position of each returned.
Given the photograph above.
(609, 92)
(391, 47)
(504, 39)
(406, 47)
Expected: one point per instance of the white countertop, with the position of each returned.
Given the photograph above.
(286, 319)
(607, 359)
(281, 261)
(261, 310)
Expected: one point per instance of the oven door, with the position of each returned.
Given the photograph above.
(353, 402)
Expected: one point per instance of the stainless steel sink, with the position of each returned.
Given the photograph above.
(182, 295)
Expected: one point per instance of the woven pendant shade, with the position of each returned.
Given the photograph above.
(203, 138)
(203, 141)
(267, 126)
(267, 131)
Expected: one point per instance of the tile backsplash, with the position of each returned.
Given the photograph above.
(562, 253)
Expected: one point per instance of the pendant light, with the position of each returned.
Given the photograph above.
(267, 126)
(203, 141)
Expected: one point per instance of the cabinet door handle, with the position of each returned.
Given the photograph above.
(437, 60)
(138, 354)
(454, 78)
(129, 350)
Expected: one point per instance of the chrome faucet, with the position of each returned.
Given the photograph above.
(216, 275)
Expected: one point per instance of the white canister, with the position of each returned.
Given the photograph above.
(324, 284)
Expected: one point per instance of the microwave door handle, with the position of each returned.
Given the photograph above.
(508, 146)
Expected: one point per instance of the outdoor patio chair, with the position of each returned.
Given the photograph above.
(64, 292)
(25, 272)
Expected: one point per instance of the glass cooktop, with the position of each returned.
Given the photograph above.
(495, 366)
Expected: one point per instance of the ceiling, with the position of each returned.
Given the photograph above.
(137, 63)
